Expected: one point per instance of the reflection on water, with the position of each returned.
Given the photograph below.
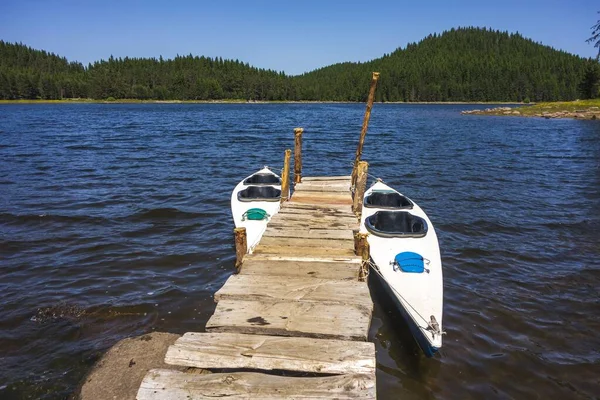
(114, 221)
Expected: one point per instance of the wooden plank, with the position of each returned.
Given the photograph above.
(316, 258)
(165, 384)
(298, 198)
(315, 216)
(323, 188)
(334, 210)
(308, 242)
(234, 350)
(292, 318)
(319, 270)
(273, 288)
(289, 205)
(303, 251)
(300, 225)
(308, 232)
(327, 178)
(321, 194)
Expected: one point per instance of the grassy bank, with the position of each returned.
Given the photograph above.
(579, 109)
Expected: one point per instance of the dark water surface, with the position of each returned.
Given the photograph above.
(115, 221)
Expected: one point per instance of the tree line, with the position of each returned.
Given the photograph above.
(464, 64)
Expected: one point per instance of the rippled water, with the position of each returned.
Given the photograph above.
(114, 221)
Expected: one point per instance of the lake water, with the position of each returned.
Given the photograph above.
(115, 221)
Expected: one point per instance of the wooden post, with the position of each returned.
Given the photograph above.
(363, 132)
(298, 155)
(360, 240)
(364, 267)
(360, 187)
(241, 246)
(285, 176)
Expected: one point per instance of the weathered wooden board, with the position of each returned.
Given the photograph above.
(327, 178)
(319, 270)
(234, 350)
(304, 251)
(308, 242)
(336, 196)
(316, 223)
(315, 217)
(291, 318)
(291, 205)
(294, 231)
(165, 384)
(336, 211)
(329, 188)
(298, 198)
(303, 225)
(314, 258)
(273, 288)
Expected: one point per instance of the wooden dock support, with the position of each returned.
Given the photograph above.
(366, 259)
(360, 187)
(298, 154)
(360, 240)
(285, 176)
(365, 125)
(241, 246)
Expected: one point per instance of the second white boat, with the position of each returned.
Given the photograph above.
(404, 248)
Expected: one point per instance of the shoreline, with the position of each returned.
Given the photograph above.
(236, 101)
(578, 109)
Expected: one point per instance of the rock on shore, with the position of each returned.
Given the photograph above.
(119, 373)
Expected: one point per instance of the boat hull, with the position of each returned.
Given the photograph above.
(417, 290)
(415, 331)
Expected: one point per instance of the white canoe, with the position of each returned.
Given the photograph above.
(254, 201)
(406, 253)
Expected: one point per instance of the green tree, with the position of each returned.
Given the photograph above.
(595, 38)
(589, 87)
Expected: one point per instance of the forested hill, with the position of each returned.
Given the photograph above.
(466, 64)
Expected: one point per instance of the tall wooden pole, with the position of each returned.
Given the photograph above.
(360, 187)
(285, 176)
(298, 155)
(365, 125)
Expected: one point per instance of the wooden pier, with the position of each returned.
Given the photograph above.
(293, 322)
(296, 307)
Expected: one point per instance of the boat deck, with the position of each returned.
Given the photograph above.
(294, 322)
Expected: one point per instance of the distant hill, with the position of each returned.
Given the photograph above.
(465, 64)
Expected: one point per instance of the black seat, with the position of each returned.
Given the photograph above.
(396, 224)
(262, 179)
(388, 200)
(259, 193)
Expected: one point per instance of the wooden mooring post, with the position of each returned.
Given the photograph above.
(298, 155)
(360, 187)
(365, 125)
(241, 246)
(285, 176)
(366, 257)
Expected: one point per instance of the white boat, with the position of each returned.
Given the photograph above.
(406, 256)
(254, 201)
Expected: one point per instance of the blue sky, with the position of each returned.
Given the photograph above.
(290, 36)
